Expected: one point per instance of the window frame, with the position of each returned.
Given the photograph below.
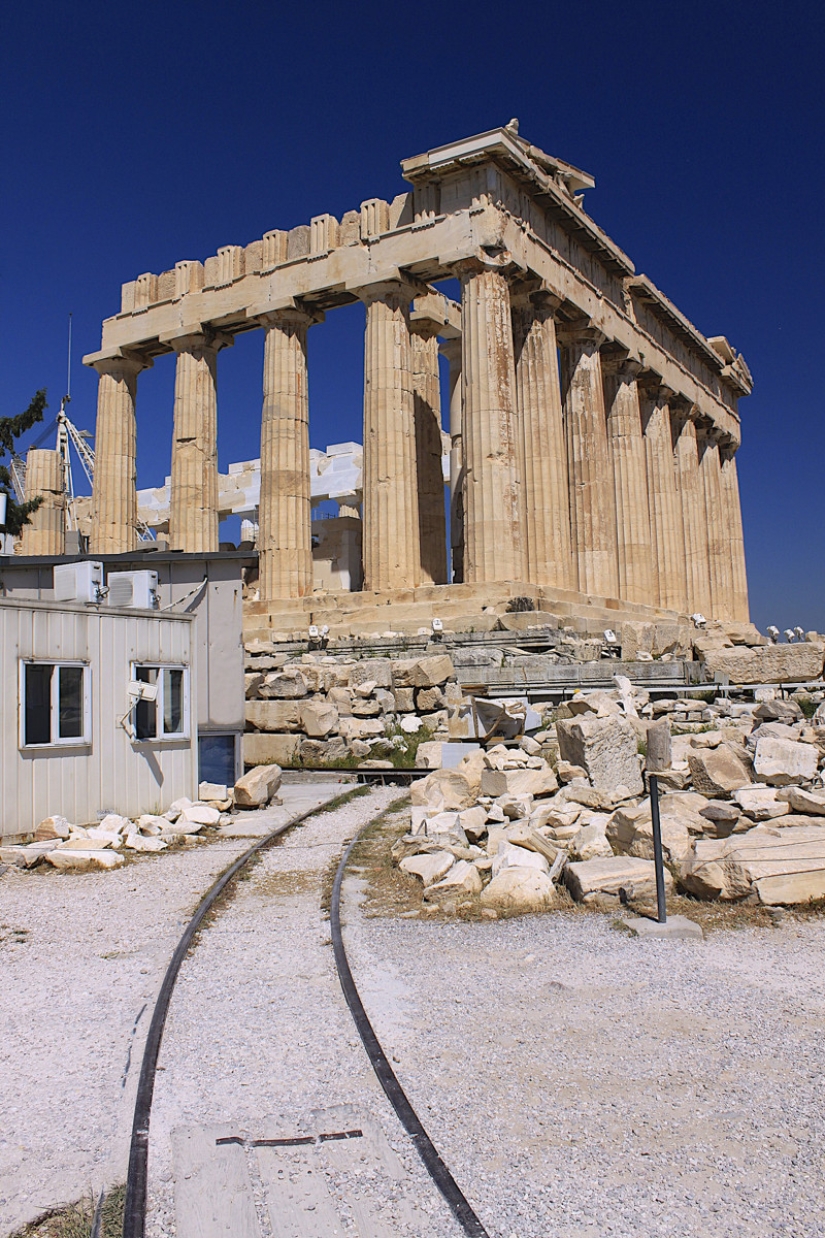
(56, 741)
(171, 737)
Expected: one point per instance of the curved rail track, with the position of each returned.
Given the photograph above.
(134, 1221)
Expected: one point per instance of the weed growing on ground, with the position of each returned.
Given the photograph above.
(76, 1220)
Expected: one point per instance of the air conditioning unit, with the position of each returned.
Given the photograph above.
(79, 582)
(138, 590)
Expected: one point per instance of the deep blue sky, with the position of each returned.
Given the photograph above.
(138, 135)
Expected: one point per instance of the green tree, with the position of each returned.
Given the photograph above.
(17, 514)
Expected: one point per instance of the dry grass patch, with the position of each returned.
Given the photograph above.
(76, 1220)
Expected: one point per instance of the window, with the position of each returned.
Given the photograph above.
(54, 699)
(166, 717)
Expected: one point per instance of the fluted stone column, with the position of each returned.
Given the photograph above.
(694, 523)
(285, 512)
(495, 544)
(114, 499)
(544, 453)
(667, 534)
(451, 349)
(193, 496)
(719, 566)
(392, 551)
(740, 610)
(45, 534)
(592, 505)
(634, 553)
(432, 524)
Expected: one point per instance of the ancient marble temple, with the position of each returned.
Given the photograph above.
(592, 430)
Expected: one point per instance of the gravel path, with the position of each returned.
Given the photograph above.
(259, 1036)
(575, 1080)
(82, 957)
(582, 1082)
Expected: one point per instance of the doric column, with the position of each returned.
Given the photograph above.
(45, 532)
(592, 506)
(740, 610)
(285, 513)
(626, 445)
(667, 535)
(432, 525)
(546, 499)
(694, 527)
(114, 501)
(392, 554)
(193, 497)
(451, 349)
(719, 568)
(494, 534)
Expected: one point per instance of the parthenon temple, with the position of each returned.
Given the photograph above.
(592, 429)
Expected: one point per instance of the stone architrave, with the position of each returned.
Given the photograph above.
(193, 491)
(694, 523)
(667, 535)
(494, 528)
(114, 495)
(544, 452)
(285, 515)
(392, 551)
(432, 523)
(627, 453)
(733, 508)
(451, 349)
(592, 504)
(719, 564)
(45, 532)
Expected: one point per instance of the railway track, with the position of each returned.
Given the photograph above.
(137, 1176)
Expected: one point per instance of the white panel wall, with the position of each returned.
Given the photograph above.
(111, 773)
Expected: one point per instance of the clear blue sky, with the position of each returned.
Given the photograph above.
(138, 135)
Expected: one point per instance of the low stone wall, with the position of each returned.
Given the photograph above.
(317, 709)
(345, 706)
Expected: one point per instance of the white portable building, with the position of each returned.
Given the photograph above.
(98, 712)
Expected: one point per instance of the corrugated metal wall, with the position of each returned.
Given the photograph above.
(111, 773)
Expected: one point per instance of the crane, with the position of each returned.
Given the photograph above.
(81, 440)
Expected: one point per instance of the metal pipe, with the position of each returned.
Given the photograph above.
(658, 859)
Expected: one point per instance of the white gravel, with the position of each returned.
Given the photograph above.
(575, 1080)
(582, 1082)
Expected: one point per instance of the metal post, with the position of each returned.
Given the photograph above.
(657, 849)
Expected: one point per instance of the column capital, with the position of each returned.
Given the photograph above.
(654, 388)
(123, 361)
(532, 293)
(289, 310)
(501, 262)
(618, 362)
(583, 331)
(395, 291)
(197, 339)
(433, 309)
(451, 349)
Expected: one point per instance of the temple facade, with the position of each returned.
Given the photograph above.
(592, 429)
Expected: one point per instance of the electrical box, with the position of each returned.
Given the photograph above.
(79, 582)
(134, 589)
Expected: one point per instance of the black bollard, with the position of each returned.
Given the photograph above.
(658, 860)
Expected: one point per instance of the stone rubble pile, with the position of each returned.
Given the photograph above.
(105, 844)
(742, 807)
(317, 709)
(327, 708)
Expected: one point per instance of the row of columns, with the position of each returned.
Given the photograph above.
(593, 477)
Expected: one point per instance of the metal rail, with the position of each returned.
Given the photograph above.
(435, 1166)
(134, 1215)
